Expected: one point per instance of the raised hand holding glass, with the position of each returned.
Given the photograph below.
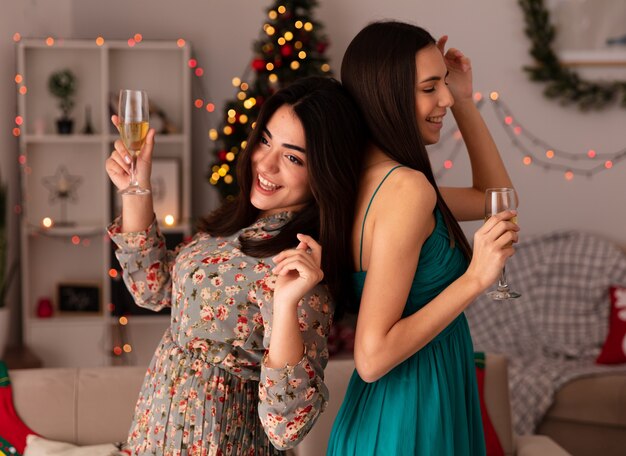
(133, 115)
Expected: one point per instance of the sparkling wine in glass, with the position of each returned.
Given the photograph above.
(133, 117)
(498, 200)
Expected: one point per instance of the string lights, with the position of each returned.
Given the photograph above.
(532, 149)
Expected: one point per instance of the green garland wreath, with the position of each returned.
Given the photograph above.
(563, 83)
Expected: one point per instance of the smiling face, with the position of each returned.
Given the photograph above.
(279, 167)
(432, 97)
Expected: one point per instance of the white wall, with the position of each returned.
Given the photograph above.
(491, 32)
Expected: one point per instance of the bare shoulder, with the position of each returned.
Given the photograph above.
(409, 190)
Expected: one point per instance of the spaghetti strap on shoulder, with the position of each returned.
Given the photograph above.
(368, 209)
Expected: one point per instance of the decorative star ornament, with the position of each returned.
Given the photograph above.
(62, 185)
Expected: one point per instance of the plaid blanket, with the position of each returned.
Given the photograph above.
(554, 332)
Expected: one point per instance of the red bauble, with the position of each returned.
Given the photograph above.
(321, 47)
(221, 155)
(286, 50)
(258, 64)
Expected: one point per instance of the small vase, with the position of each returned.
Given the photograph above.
(5, 320)
(65, 126)
(44, 308)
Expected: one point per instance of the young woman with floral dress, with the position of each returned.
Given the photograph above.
(239, 371)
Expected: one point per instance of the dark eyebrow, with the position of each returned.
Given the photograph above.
(288, 146)
(434, 78)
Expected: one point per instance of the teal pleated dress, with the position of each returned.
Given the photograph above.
(428, 405)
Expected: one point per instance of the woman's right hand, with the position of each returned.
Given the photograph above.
(493, 245)
(118, 164)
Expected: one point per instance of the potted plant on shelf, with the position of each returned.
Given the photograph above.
(62, 84)
(6, 274)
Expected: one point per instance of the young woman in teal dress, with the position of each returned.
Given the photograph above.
(414, 389)
(240, 369)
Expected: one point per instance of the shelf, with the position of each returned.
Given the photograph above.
(597, 57)
(68, 231)
(62, 139)
(70, 320)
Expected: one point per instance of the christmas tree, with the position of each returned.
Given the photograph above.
(291, 46)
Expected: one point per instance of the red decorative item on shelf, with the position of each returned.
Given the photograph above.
(286, 50)
(44, 308)
(321, 47)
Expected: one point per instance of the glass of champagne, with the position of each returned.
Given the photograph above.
(498, 200)
(133, 126)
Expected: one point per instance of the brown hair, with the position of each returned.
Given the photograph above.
(378, 69)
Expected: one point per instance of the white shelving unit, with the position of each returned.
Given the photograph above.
(81, 253)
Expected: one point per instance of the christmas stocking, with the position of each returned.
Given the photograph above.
(13, 431)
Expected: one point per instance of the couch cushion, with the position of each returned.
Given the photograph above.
(106, 401)
(45, 400)
(597, 399)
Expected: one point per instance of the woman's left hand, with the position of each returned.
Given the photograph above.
(298, 270)
(460, 71)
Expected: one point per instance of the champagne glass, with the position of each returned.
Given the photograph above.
(498, 200)
(133, 117)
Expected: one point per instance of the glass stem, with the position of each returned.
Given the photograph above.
(133, 172)
(502, 285)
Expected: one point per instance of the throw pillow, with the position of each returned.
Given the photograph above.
(13, 431)
(492, 442)
(39, 446)
(614, 348)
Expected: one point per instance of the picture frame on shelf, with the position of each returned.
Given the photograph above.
(165, 181)
(79, 298)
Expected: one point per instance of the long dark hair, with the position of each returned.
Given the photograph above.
(333, 129)
(378, 69)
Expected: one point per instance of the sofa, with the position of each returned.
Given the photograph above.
(88, 406)
(552, 336)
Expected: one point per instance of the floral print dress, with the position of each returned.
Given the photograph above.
(207, 390)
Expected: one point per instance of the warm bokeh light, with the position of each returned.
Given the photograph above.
(550, 153)
(23, 90)
(117, 351)
(243, 119)
(128, 348)
(123, 321)
(295, 65)
(302, 55)
(270, 30)
(527, 160)
(18, 78)
(281, 41)
(17, 37)
(447, 164)
(236, 82)
(244, 86)
(213, 134)
(49, 41)
(325, 67)
(288, 36)
(228, 130)
(75, 239)
(494, 96)
(591, 153)
(308, 26)
(192, 63)
(517, 130)
(282, 9)
(228, 179)
(508, 120)
(569, 175)
(273, 78)
(199, 71)
(608, 164)
(231, 113)
(47, 222)
(241, 96)
(478, 96)
(272, 14)
(269, 66)
(169, 220)
(230, 156)
(21, 159)
(138, 37)
(99, 41)
(180, 42)
(299, 24)
(131, 42)
(210, 107)
(113, 273)
(198, 103)
(17, 132)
